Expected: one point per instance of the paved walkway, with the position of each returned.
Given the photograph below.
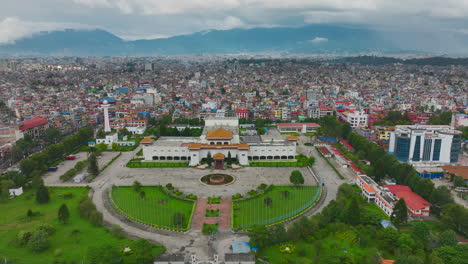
(223, 221)
(225, 209)
(199, 215)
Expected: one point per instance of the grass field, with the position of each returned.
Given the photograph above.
(252, 211)
(332, 249)
(13, 219)
(372, 207)
(157, 209)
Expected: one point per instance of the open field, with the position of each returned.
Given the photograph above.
(63, 245)
(255, 210)
(156, 209)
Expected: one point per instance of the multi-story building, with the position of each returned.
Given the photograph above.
(355, 118)
(35, 127)
(242, 112)
(424, 145)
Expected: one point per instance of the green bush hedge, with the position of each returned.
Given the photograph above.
(136, 164)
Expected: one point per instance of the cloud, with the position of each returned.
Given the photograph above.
(318, 40)
(144, 18)
(12, 28)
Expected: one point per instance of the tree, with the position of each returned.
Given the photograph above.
(142, 195)
(95, 217)
(268, 201)
(142, 252)
(105, 254)
(178, 219)
(39, 241)
(406, 243)
(353, 213)
(400, 213)
(29, 214)
(101, 133)
(459, 182)
(259, 236)
(448, 238)
(93, 168)
(229, 158)
(136, 186)
(209, 158)
(63, 214)
(440, 197)
(346, 130)
(42, 195)
(455, 216)
(421, 232)
(52, 135)
(296, 177)
(278, 235)
(409, 260)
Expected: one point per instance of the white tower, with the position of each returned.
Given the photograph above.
(105, 106)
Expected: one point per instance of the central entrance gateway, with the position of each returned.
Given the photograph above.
(219, 161)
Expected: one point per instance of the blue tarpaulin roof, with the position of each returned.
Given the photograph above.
(240, 247)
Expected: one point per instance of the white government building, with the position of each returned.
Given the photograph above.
(220, 137)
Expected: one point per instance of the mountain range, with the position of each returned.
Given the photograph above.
(318, 38)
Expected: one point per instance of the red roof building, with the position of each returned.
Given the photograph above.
(346, 145)
(35, 127)
(417, 206)
(242, 112)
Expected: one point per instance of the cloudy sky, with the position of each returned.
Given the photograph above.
(134, 19)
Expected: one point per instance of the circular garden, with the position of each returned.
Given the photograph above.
(217, 179)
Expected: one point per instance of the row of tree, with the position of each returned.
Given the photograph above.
(38, 163)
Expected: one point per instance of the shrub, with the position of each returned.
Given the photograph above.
(50, 230)
(22, 238)
(178, 192)
(262, 186)
(169, 186)
(117, 231)
(252, 192)
(287, 248)
(237, 196)
(39, 241)
(192, 197)
(209, 228)
(214, 200)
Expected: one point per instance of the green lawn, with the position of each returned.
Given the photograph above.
(253, 211)
(13, 219)
(332, 249)
(372, 207)
(157, 209)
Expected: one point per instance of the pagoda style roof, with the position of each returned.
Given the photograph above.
(218, 156)
(229, 146)
(219, 134)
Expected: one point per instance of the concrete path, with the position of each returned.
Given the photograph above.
(225, 210)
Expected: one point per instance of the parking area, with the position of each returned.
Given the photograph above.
(53, 177)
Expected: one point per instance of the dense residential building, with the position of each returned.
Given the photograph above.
(355, 118)
(425, 145)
